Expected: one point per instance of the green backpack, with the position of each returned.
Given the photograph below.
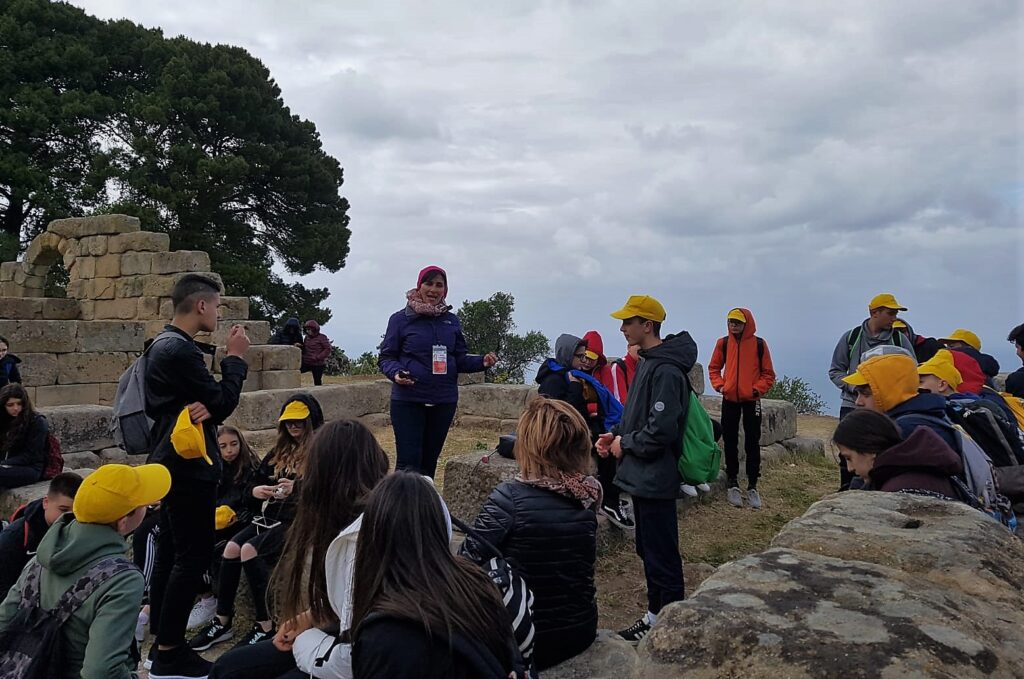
(701, 458)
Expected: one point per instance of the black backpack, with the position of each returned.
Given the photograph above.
(30, 646)
(760, 351)
(984, 423)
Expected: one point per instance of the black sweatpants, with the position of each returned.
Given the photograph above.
(657, 545)
(606, 468)
(259, 661)
(318, 373)
(750, 411)
(16, 477)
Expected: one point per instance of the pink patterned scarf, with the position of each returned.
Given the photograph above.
(418, 305)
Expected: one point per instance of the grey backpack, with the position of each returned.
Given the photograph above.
(130, 425)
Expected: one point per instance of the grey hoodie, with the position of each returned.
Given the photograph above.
(846, 359)
(654, 419)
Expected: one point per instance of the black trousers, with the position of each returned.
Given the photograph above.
(420, 432)
(184, 552)
(16, 477)
(318, 373)
(606, 468)
(144, 547)
(259, 661)
(657, 545)
(845, 475)
(750, 412)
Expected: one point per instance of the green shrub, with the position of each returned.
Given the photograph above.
(799, 393)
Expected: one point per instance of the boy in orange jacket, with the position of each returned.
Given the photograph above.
(741, 371)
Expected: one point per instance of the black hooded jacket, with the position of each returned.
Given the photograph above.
(654, 419)
(289, 334)
(284, 510)
(9, 370)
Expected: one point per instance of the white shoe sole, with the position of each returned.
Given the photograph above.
(227, 636)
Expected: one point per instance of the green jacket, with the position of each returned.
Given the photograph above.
(97, 638)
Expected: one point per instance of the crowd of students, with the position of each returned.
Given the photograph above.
(351, 568)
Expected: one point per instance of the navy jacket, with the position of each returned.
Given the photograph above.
(9, 370)
(922, 411)
(408, 345)
(31, 449)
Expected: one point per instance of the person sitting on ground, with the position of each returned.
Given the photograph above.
(23, 438)
(741, 371)
(878, 453)
(257, 547)
(1015, 380)
(544, 521)
(312, 585)
(418, 611)
(96, 641)
(316, 349)
(290, 334)
(889, 384)
(235, 508)
(20, 540)
(8, 364)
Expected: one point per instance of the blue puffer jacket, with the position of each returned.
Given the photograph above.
(408, 345)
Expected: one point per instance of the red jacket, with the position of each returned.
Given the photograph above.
(316, 348)
(970, 371)
(736, 372)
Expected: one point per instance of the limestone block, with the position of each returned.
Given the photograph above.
(34, 286)
(38, 369)
(153, 328)
(83, 267)
(108, 390)
(78, 289)
(261, 441)
(696, 377)
(136, 263)
(803, 445)
(94, 246)
(129, 287)
(83, 460)
(7, 270)
(80, 227)
(104, 288)
(466, 379)
(11, 289)
(280, 379)
(21, 308)
(123, 309)
(252, 382)
(93, 367)
(67, 394)
(468, 481)
(234, 308)
(280, 357)
(60, 309)
(778, 418)
(505, 401)
(148, 308)
(110, 336)
(43, 250)
(258, 332)
(260, 409)
(140, 241)
(11, 499)
(108, 266)
(86, 309)
(115, 455)
(181, 261)
(376, 420)
(166, 307)
(1000, 381)
(20, 275)
(31, 393)
(80, 427)
(40, 336)
(162, 285)
(253, 358)
(609, 657)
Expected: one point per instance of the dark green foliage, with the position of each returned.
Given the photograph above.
(799, 393)
(488, 326)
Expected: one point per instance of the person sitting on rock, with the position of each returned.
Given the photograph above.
(545, 522)
(20, 540)
(8, 364)
(877, 452)
(23, 438)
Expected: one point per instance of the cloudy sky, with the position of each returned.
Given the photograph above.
(793, 157)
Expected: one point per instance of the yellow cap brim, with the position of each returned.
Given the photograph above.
(623, 314)
(188, 439)
(154, 484)
(591, 355)
(296, 410)
(736, 315)
(856, 380)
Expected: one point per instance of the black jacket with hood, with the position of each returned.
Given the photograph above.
(289, 334)
(265, 475)
(922, 462)
(654, 419)
(9, 370)
(31, 449)
(18, 542)
(177, 376)
(555, 383)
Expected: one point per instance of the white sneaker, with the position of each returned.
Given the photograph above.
(704, 487)
(688, 490)
(735, 496)
(202, 612)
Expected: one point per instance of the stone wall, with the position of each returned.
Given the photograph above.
(74, 350)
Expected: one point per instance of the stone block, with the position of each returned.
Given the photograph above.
(28, 308)
(108, 266)
(280, 357)
(82, 460)
(258, 332)
(38, 370)
(83, 267)
(181, 261)
(108, 390)
(94, 246)
(129, 287)
(148, 308)
(111, 336)
(124, 309)
(80, 227)
(162, 285)
(778, 418)
(92, 367)
(115, 455)
(40, 336)
(153, 328)
(469, 480)
(252, 382)
(78, 289)
(261, 440)
(80, 427)
(13, 498)
(280, 379)
(136, 263)
(34, 286)
(504, 401)
(234, 308)
(696, 377)
(166, 307)
(67, 394)
(465, 379)
(376, 421)
(60, 309)
(803, 445)
(253, 358)
(7, 270)
(260, 409)
(104, 288)
(609, 657)
(86, 309)
(140, 241)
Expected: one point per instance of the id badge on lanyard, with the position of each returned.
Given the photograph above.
(440, 359)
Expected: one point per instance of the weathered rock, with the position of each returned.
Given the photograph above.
(500, 401)
(778, 418)
(27, 308)
(40, 336)
(80, 427)
(67, 394)
(82, 460)
(110, 336)
(13, 498)
(91, 367)
(180, 261)
(280, 357)
(376, 420)
(280, 379)
(234, 308)
(772, 452)
(60, 309)
(136, 264)
(469, 480)
(609, 657)
(260, 409)
(116, 455)
(80, 227)
(261, 441)
(696, 377)
(140, 241)
(471, 378)
(38, 369)
(803, 445)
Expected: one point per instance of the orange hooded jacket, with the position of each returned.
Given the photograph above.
(736, 372)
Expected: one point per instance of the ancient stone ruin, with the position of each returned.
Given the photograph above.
(74, 349)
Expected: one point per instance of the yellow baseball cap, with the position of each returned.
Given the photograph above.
(941, 365)
(736, 315)
(224, 517)
(885, 300)
(115, 490)
(965, 336)
(188, 439)
(296, 410)
(644, 306)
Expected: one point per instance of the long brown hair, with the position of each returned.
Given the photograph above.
(246, 461)
(343, 465)
(405, 570)
(552, 438)
(866, 431)
(14, 429)
(289, 454)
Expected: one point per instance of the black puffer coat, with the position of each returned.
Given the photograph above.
(551, 540)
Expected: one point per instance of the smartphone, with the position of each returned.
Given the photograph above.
(405, 374)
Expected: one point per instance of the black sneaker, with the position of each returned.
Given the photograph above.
(255, 636)
(180, 663)
(636, 632)
(214, 633)
(618, 517)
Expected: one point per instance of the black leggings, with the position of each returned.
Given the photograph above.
(259, 661)
(16, 477)
(268, 544)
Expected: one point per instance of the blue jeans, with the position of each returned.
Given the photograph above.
(657, 545)
(420, 432)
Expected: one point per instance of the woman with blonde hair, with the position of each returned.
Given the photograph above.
(545, 522)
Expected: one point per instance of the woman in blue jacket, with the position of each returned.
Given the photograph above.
(423, 353)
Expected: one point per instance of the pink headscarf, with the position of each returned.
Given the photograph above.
(416, 302)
